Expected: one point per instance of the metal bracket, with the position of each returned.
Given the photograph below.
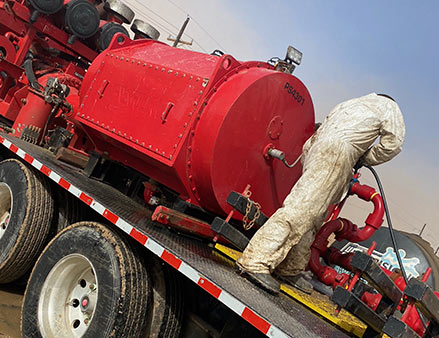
(182, 222)
(425, 300)
(354, 305)
(229, 232)
(239, 202)
(377, 278)
(395, 328)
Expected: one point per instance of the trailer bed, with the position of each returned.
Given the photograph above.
(275, 316)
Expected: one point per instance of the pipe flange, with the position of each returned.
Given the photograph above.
(145, 30)
(119, 9)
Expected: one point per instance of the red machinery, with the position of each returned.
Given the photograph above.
(202, 123)
(183, 126)
(201, 126)
(43, 40)
(386, 291)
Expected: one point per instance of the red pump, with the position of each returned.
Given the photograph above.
(344, 229)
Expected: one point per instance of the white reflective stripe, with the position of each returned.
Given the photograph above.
(75, 191)
(231, 302)
(20, 153)
(37, 164)
(274, 332)
(154, 247)
(189, 272)
(126, 227)
(54, 176)
(7, 144)
(98, 207)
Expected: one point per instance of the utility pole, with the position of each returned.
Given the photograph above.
(422, 230)
(180, 33)
(181, 42)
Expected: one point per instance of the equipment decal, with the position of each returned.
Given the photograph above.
(294, 93)
(387, 259)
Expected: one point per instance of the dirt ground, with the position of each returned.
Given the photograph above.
(10, 308)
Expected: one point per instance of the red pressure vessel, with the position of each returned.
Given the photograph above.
(197, 123)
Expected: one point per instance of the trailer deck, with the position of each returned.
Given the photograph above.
(275, 316)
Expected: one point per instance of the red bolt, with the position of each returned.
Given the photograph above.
(84, 302)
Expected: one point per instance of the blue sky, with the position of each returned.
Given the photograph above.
(350, 48)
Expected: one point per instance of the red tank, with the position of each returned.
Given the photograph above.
(197, 123)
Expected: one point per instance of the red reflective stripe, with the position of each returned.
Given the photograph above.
(46, 171)
(138, 236)
(171, 259)
(13, 147)
(110, 216)
(210, 287)
(28, 158)
(85, 198)
(2, 139)
(259, 323)
(66, 185)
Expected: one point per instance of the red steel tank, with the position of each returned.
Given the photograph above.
(199, 124)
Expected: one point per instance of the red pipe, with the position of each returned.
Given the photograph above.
(344, 229)
(319, 248)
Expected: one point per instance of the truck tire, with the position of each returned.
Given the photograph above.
(69, 210)
(88, 282)
(27, 212)
(165, 316)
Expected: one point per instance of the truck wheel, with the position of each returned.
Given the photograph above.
(88, 282)
(165, 316)
(26, 208)
(69, 210)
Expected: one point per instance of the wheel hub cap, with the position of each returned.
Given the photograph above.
(5, 207)
(68, 298)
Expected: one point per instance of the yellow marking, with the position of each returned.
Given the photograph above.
(376, 193)
(231, 253)
(324, 307)
(316, 301)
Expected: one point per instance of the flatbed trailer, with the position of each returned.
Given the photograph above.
(275, 316)
(126, 165)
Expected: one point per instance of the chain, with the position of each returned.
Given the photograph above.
(245, 221)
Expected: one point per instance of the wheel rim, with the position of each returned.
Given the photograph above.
(68, 297)
(5, 207)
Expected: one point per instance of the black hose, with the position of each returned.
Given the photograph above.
(389, 222)
(392, 235)
(29, 71)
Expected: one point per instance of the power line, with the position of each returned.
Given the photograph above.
(149, 9)
(219, 45)
(153, 21)
(166, 21)
(177, 6)
(161, 26)
(198, 24)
